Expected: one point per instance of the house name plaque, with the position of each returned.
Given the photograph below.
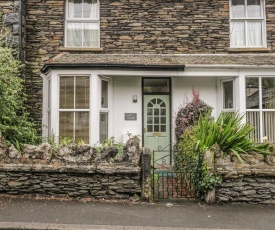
(130, 116)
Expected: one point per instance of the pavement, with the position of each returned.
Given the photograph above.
(67, 214)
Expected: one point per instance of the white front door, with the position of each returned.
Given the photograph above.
(157, 122)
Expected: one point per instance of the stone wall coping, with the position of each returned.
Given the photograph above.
(238, 170)
(104, 168)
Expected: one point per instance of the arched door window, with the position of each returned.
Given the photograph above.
(156, 115)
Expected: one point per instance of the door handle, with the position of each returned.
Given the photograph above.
(144, 130)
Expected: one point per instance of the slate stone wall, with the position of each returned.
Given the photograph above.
(252, 181)
(249, 189)
(79, 181)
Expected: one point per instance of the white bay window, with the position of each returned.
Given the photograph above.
(247, 23)
(260, 107)
(82, 24)
(74, 108)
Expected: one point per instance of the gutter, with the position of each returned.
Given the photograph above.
(47, 67)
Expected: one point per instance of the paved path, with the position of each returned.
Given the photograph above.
(19, 213)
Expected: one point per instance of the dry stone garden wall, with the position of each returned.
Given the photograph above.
(252, 181)
(73, 170)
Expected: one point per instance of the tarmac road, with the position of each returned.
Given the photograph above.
(29, 213)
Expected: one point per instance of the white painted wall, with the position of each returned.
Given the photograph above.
(124, 87)
(182, 91)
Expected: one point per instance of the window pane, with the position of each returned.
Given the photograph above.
(254, 8)
(253, 118)
(103, 127)
(237, 34)
(82, 92)
(156, 86)
(228, 100)
(75, 9)
(82, 126)
(66, 124)
(74, 35)
(254, 34)
(66, 92)
(252, 93)
(104, 94)
(90, 34)
(149, 120)
(237, 9)
(268, 93)
(268, 126)
(150, 112)
(90, 9)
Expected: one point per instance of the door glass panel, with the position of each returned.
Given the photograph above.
(150, 120)
(156, 86)
(150, 112)
(156, 128)
(163, 112)
(268, 93)
(156, 112)
(156, 120)
(252, 93)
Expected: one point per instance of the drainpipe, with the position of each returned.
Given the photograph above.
(20, 32)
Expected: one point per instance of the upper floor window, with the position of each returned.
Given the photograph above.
(82, 23)
(247, 23)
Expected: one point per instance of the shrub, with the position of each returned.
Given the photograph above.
(15, 125)
(189, 114)
(229, 133)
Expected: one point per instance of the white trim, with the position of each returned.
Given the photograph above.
(246, 19)
(222, 94)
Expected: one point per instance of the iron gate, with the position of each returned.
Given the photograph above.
(175, 173)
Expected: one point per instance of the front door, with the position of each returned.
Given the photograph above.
(156, 121)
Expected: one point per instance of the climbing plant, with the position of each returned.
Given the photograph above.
(15, 124)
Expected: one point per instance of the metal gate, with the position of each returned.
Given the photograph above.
(175, 173)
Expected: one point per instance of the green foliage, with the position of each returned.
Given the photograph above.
(110, 142)
(229, 133)
(15, 125)
(208, 181)
(189, 114)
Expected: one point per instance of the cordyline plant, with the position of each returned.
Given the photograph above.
(15, 125)
(229, 133)
(189, 114)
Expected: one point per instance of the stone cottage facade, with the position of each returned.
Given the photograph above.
(102, 68)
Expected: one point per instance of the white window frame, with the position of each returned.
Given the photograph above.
(246, 20)
(260, 109)
(81, 20)
(105, 110)
(74, 110)
(222, 94)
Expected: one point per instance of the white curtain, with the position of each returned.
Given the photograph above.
(90, 34)
(237, 34)
(74, 34)
(254, 34)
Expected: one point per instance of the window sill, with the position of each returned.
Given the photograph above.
(243, 50)
(80, 49)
